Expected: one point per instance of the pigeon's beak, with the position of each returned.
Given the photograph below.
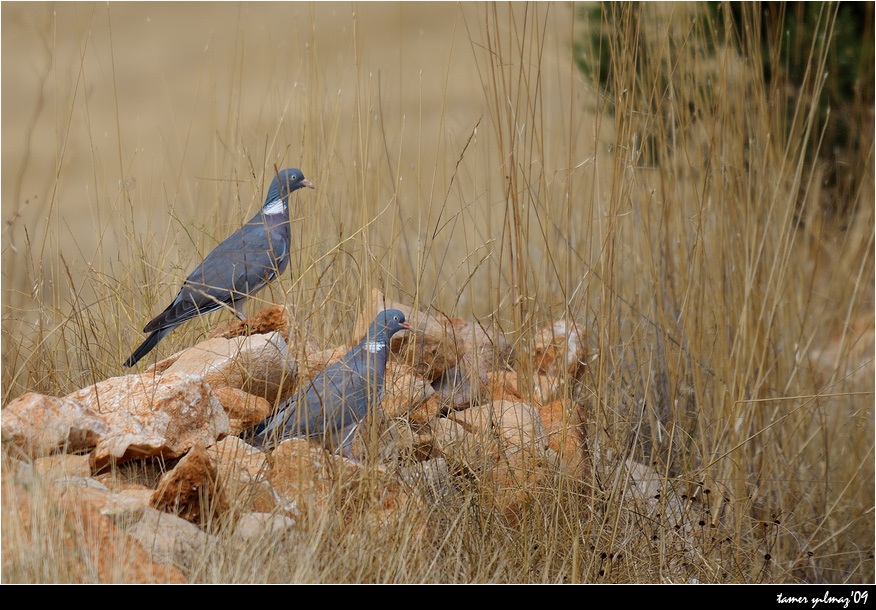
(405, 325)
(308, 184)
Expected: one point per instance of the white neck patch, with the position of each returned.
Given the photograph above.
(278, 206)
(374, 346)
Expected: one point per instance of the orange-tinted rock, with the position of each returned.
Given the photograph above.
(567, 437)
(483, 349)
(505, 443)
(120, 418)
(191, 490)
(39, 425)
(244, 410)
(259, 364)
(82, 536)
(560, 350)
(298, 470)
(242, 474)
(425, 411)
(146, 416)
(403, 391)
(63, 465)
(266, 320)
(502, 384)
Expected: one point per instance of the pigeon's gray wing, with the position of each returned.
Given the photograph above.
(335, 401)
(238, 267)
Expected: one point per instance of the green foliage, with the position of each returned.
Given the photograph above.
(789, 36)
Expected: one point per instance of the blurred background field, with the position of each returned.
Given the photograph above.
(632, 170)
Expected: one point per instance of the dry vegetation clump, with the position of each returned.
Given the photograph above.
(477, 176)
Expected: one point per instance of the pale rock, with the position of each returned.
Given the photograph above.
(431, 478)
(170, 540)
(463, 450)
(60, 465)
(258, 364)
(404, 391)
(242, 471)
(479, 349)
(244, 409)
(547, 388)
(127, 506)
(316, 360)
(145, 416)
(72, 481)
(506, 445)
(263, 528)
(516, 423)
(563, 422)
(666, 504)
(40, 425)
(560, 350)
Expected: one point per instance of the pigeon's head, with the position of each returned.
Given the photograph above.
(285, 182)
(387, 323)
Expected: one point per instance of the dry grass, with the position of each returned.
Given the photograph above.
(464, 166)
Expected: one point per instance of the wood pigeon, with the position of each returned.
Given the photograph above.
(338, 397)
(240, 266)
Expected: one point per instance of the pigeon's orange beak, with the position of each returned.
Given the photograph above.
(405, 325)
(308, 184)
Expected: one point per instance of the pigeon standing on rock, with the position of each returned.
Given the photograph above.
(338, 397)
(240, 266)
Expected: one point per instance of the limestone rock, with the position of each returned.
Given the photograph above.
(563, 422)
(244, 410)
(145, 416)
(242, 472)
(191, 490)
(39, 425)
(263, 528)
(505, 445)
(264, 321)
(258, 364)
(170, 540)
(404, 391)
(560, 350)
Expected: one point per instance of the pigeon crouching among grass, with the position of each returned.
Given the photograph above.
(240, 266)
(332, 404)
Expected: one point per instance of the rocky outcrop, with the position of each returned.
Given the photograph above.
(453, 411)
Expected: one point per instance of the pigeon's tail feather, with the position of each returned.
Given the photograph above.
(147, 346)
(255, 435)
(251, 437)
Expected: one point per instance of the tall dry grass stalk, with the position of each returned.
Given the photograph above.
(676, 222)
